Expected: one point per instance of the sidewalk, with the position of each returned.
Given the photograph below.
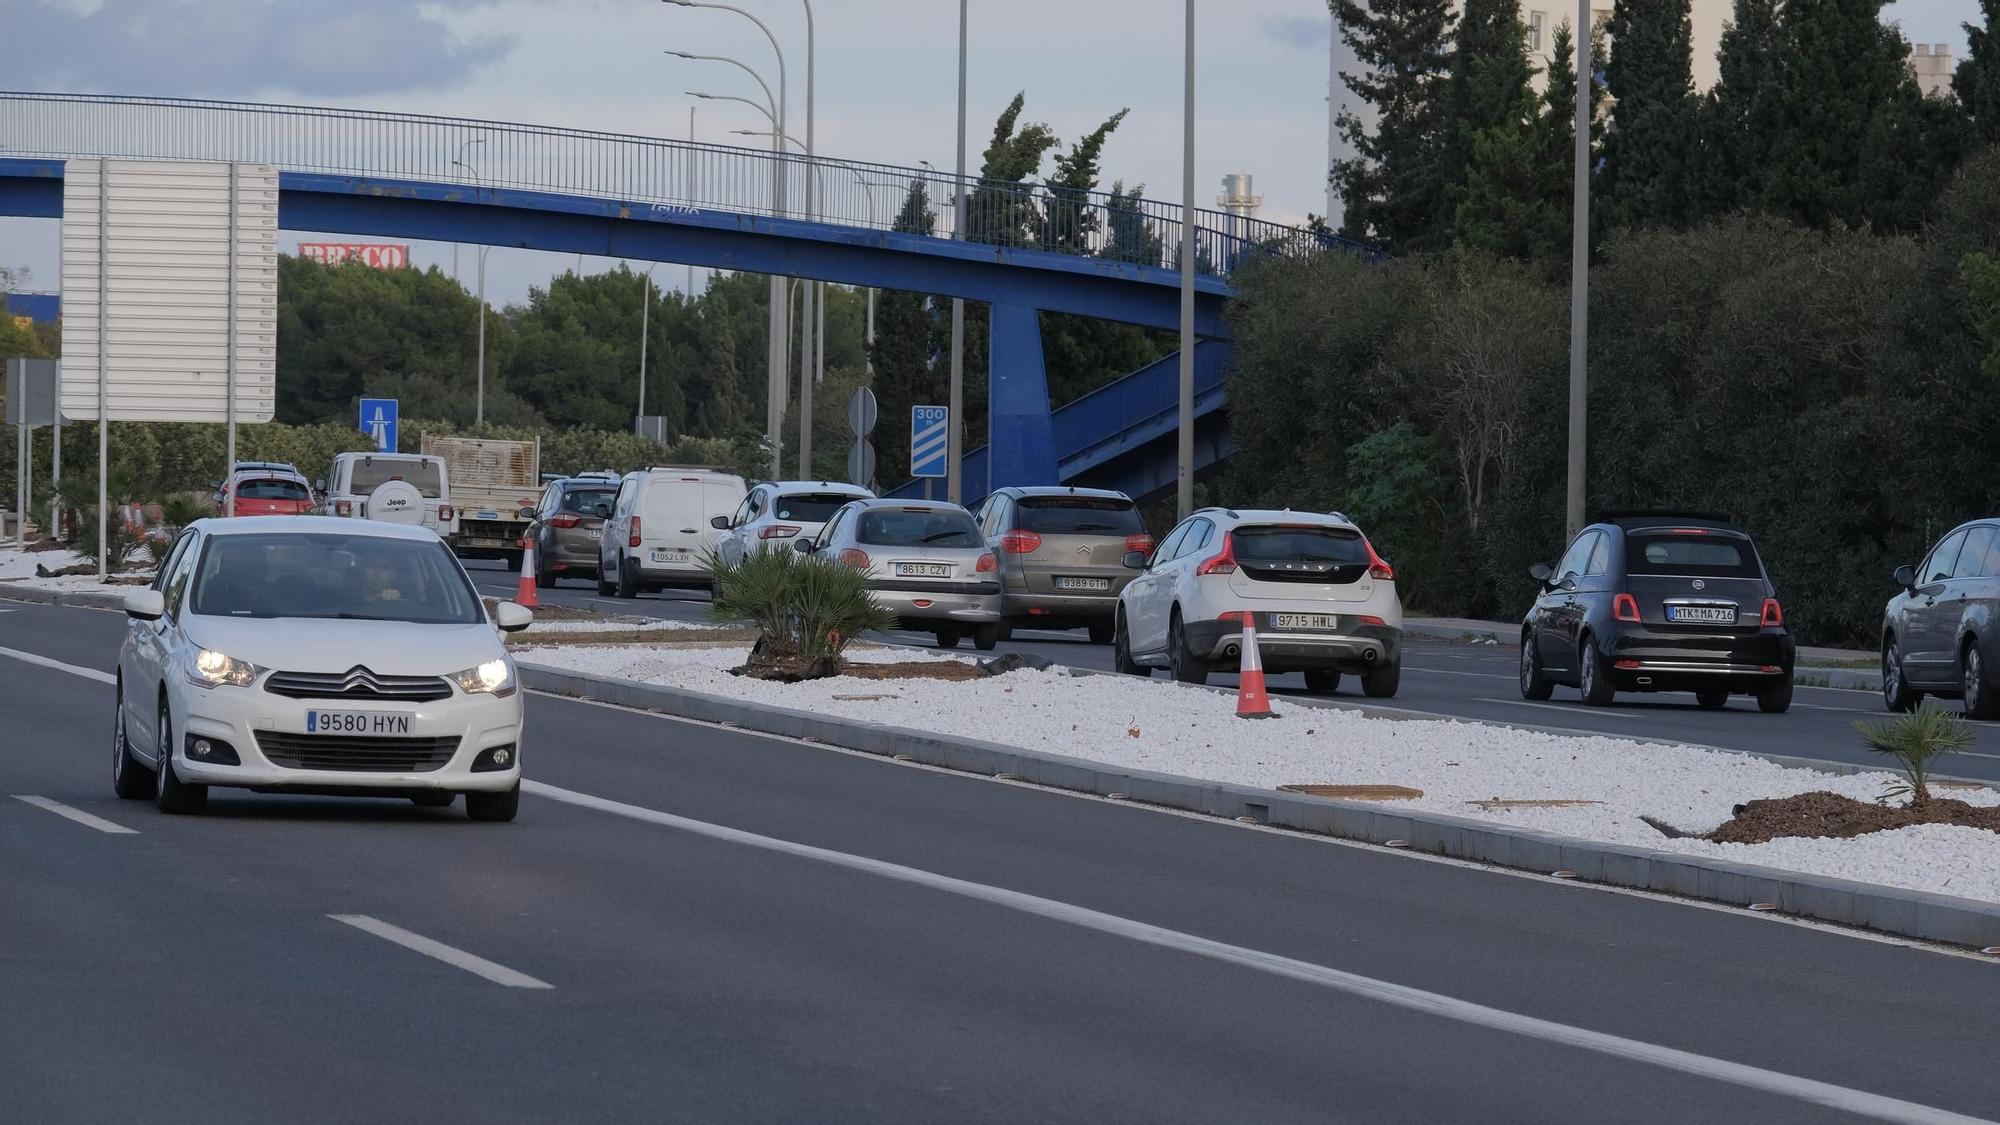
(1817, 666)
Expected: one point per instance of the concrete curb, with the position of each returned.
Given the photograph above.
(1915, 914)
(81, 599)
(1851, 679)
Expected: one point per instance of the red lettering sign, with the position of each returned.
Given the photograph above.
(378, 255)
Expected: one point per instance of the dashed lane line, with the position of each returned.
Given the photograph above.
(78, 815)
(449, 954)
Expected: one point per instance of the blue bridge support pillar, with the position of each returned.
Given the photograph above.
(1021, 434)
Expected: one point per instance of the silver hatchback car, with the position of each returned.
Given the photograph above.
(926, 563)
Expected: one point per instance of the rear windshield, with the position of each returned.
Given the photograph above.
(586, 500)
(1690, 554)
(811, 507)
(357, 577)
(1079, 515)
(271, 488)
(1299, 544)
(372, 474)
(918, 527)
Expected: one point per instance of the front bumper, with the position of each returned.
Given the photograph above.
(912, 602)
(238, 715)
(1349, 648)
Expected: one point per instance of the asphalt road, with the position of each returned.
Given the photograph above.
(727, 927)
(1450, 679)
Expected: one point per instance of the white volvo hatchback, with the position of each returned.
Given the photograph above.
(317, 655)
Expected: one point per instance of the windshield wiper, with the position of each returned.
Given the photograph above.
(940, 535)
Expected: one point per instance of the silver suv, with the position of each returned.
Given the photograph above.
(1062, 555)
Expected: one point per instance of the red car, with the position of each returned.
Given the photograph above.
(268, 494)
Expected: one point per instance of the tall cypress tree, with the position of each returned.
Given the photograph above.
(1977, 82)
(1739, 117)
(1489, 84)
(1518, 193)
(906, 339)
(1393, 188)
(1648, 174)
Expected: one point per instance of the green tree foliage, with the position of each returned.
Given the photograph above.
(1977, 82)
(1002, 208)
(1130, 236)
(1394, 187)
(906, 348)
(1518, 194)
(1072, 221)
(1649, 174)
(1488, 89)
(1981, 275)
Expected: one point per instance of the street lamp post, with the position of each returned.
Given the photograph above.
(460, 162)
(1185, 492)
(645, 312)
(955, 433)
(1579, 275)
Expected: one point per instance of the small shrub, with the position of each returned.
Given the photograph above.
(806, 610)
(158, 548)
(1916, 740)
(181, 509)
(120, 539)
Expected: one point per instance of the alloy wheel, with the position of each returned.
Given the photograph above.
(1975, 680)
(164, 747)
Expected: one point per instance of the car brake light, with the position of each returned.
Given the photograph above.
(1233, 617)
(343, 507)
(444, 511)
(1020, 542)
(987, 564)
(1224, 563)
(778, 531)
(1378, 569)
(1141, 543)
(632, 540)
(1626, 665)
(1370, 619)
(565, 521)
(1625, 607)
(859, 560)
(1773, 616)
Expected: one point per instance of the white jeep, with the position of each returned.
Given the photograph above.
(405, 488)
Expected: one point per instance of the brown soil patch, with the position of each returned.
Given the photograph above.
(47, 545)
(556, 612)
(951, 671)
(1524, 803)
(1356, 792)
(1822, 814)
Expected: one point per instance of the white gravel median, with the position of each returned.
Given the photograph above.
(1155, 725)
(17, 568)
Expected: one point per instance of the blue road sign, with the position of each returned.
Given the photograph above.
(928, 430)
(378, 421)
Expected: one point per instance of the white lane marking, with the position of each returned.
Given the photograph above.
(450, 955)
(1407, 667)
(1857, 1102)
(1578, 711)
(1847, 710)
(86, 673)
(78, 815)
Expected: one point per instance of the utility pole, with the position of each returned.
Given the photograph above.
(813, 328)
(479, 403)
(955, 432)
(1579, 275)
(1185, 494)
(690, 195)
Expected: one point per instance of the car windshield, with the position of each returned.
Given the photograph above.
(1299, 544)
(331, 575)
(586, 500)
(373, 472)
(271, 488)
(918, 527)
(811, 507)
(1079, 515)
(1690, 553)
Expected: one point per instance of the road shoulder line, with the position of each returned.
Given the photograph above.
(449, 954)
(67, 812)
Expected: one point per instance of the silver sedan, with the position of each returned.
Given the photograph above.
(926, 563)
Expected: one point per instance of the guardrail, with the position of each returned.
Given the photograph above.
(487, 155)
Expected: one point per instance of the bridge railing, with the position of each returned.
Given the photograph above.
(650, 171)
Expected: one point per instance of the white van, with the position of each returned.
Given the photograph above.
(660, 531)
(406, 488)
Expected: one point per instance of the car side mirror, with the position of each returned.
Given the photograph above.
(1906, 576)
(603, 511)
(719, 523)
(319, 486)
(1540, 572)
(1135, 560)
(216, 485)
(145, 605)
(804, 546)
(512, 618)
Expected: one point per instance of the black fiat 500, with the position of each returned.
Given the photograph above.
(1658, 602)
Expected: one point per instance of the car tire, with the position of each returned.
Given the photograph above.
(1381, 681)
(1121, 651)
(1535, 684)
(1187, 667)
(130, 778)
(496, 808)
(1006, 630)
(1777, 698)
(545, 575)
(1322, 681)
(985, 637)
(1981, 701)
(948, 638)
(1593, 679)
(628, 582)
(1101, 634)
(1897, 694)
(1712, 698)
(514, 563)
(433, 800)
(170, 794)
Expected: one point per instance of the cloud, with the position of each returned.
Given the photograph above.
(238, 48)
(1297, 31)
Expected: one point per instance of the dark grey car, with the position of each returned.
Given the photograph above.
(1062, 555)
(1941, 635)
(567, 526)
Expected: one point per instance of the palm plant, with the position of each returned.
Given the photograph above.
(119, 542)
(806, 609)
(181, 509)
(1916, 740)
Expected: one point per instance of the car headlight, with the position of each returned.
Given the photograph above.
(495, 677)
(208, 668)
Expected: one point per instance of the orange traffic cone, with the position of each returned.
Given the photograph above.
(1251, 700)
(524, 594)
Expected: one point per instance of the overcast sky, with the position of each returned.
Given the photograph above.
(885, 90)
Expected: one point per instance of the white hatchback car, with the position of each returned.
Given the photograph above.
(778, 513)
(319, 655)
(1323, 602)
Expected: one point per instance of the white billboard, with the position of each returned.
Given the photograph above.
(150, 243)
